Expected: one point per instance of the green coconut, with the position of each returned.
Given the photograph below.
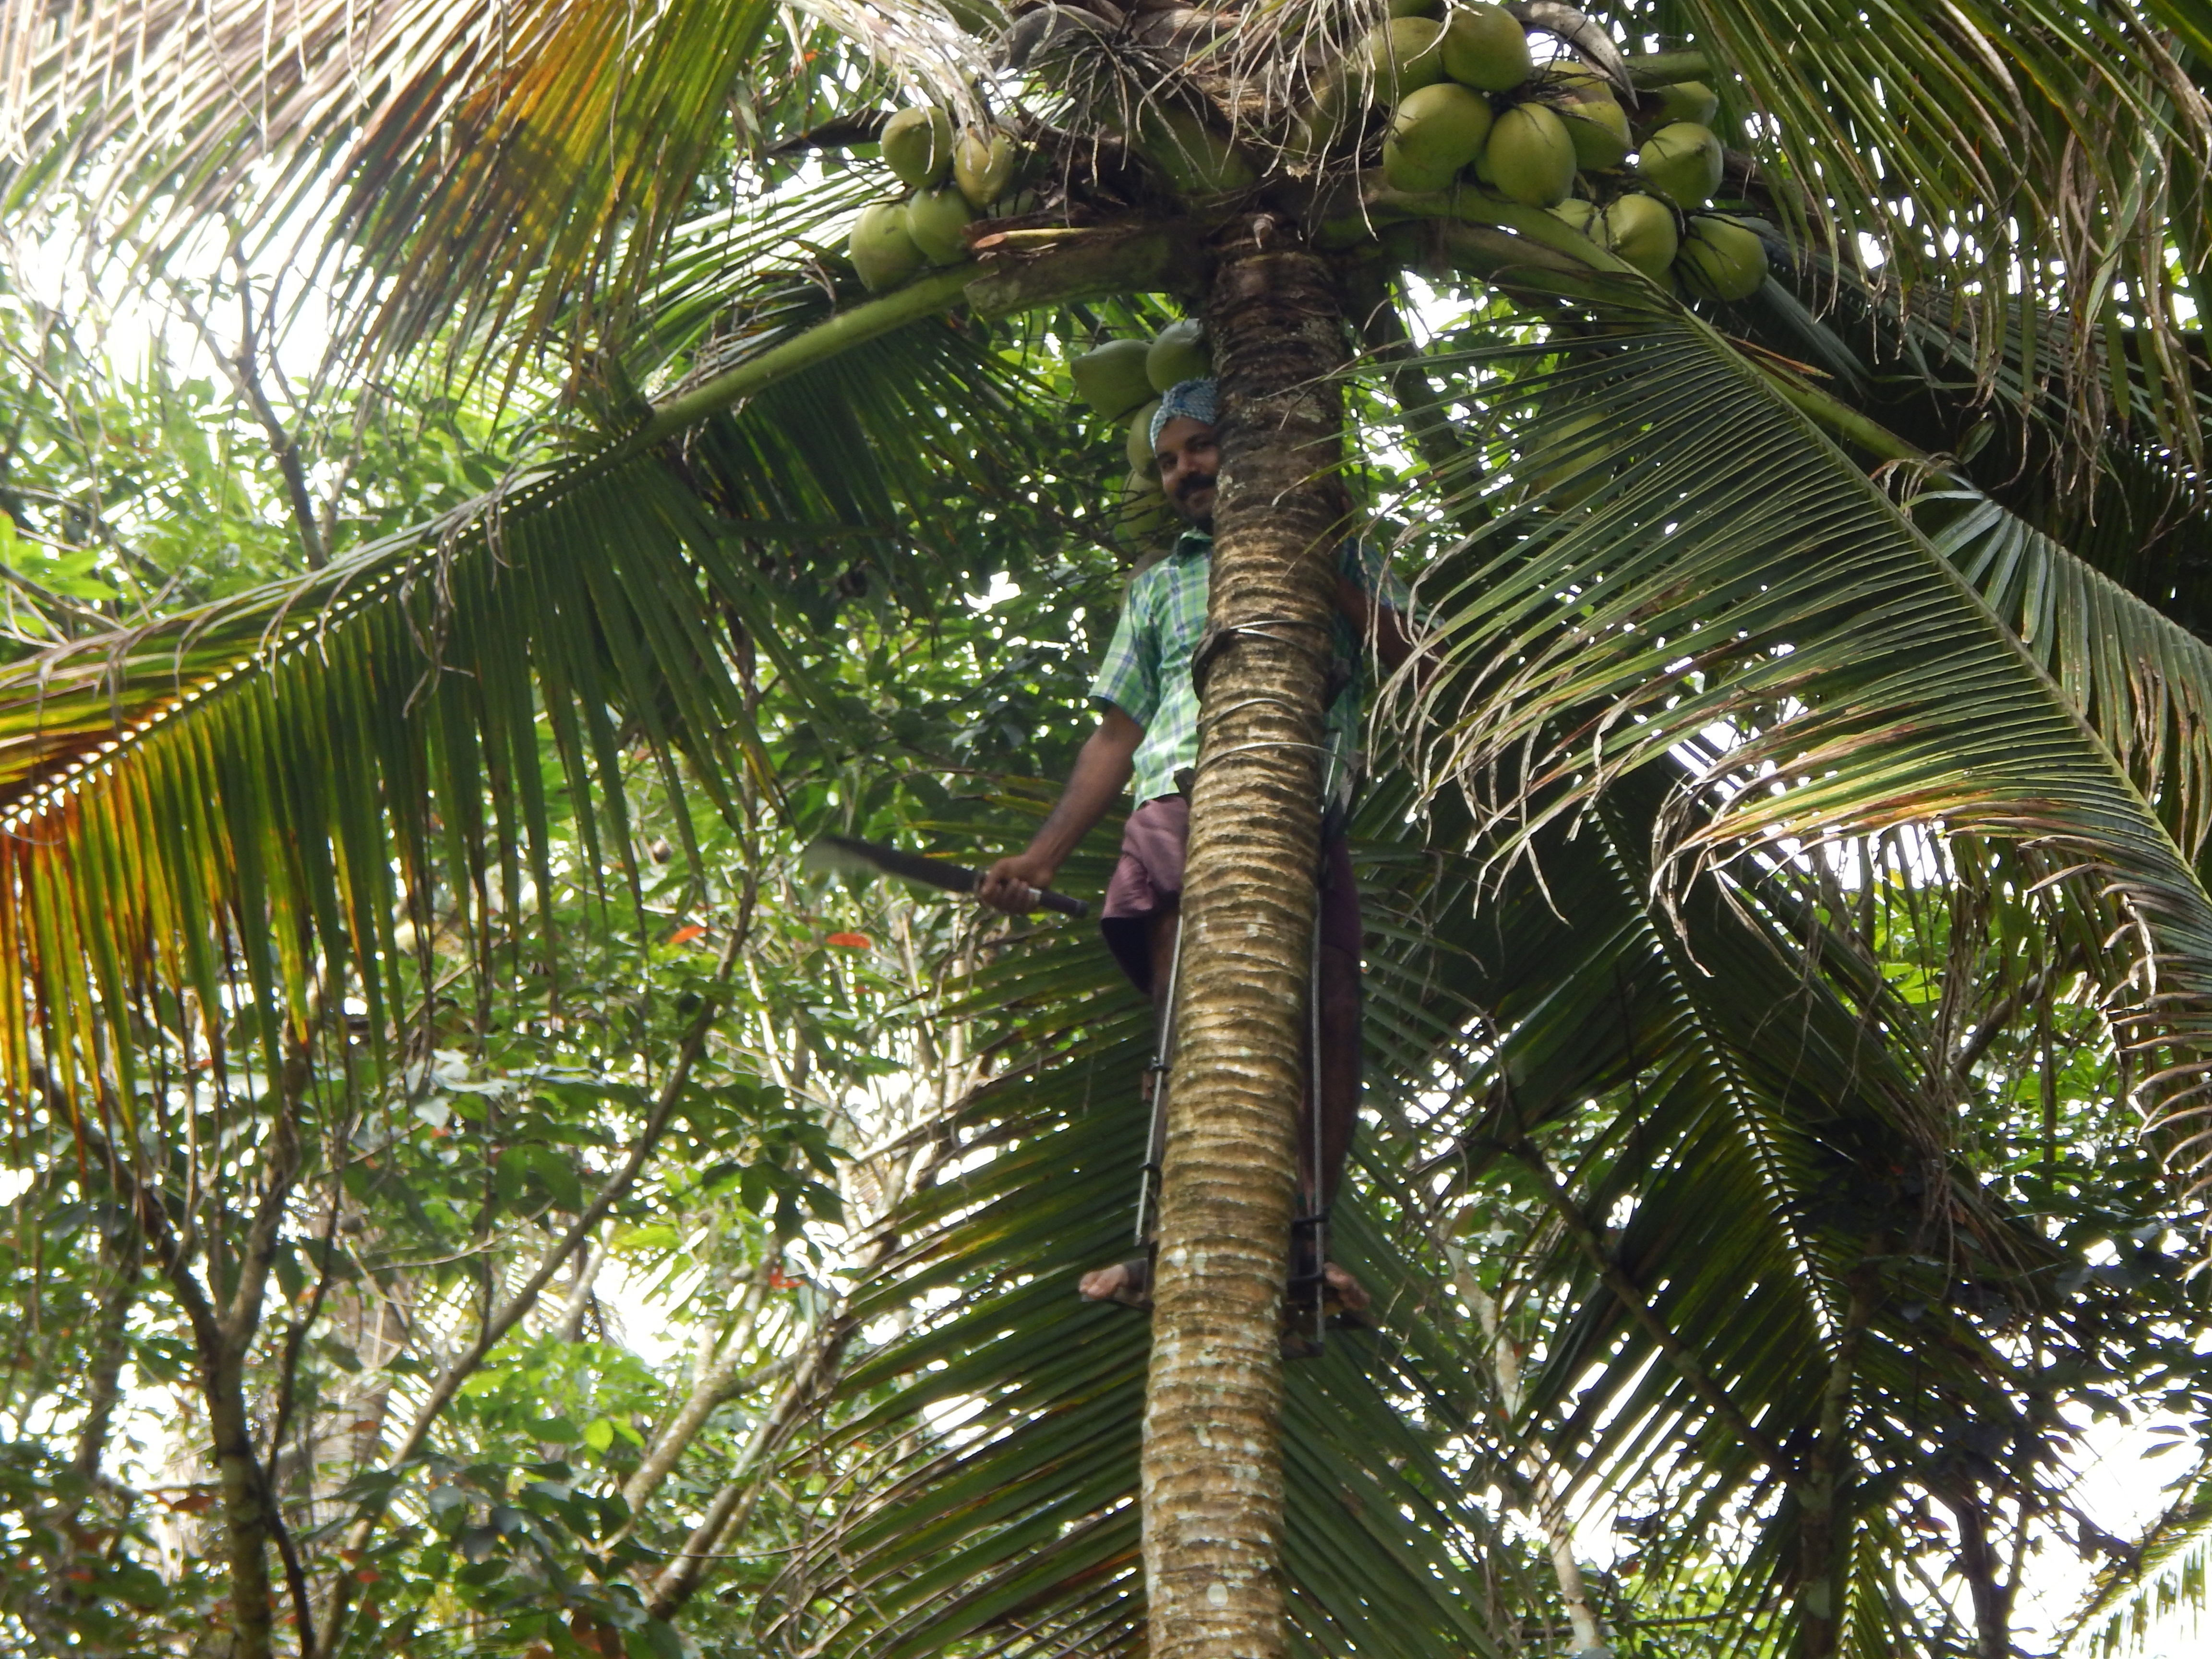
(882, 249)
(1578, 213)
(983, 165)
(938, 220)
(1598, 128)
(1641, 230)
(1179, 354)
(1721, 258)
(1483, 48)
(1197, 159)
(1318, 118)
(1111, 378)
(1139, 446)
(1685, 100)
(1434, 133)
(1416, 8)
(1683, 162)
(1401, 57)
(985, 21)
(1145, 514)
(918, 146)
(1529, 158)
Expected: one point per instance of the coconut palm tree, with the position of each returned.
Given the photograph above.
(1889, 549)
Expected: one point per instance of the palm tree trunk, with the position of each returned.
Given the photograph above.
(1212, 1462)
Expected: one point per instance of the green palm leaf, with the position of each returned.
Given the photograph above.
(1953, 136)
(486, 171)
(1730, 568)
(254, 786)
(2143, 683)
(1699, 1070)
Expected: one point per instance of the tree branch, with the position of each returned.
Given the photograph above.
(732, 1504)
(717, 1383)
(242, 366)
(245, 374)
(1550, 1509)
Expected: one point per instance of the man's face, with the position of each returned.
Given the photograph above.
(1188, 459)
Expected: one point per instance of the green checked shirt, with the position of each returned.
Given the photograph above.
(1147, 673)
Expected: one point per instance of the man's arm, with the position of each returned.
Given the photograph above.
(1102, 772)
(1373, 619)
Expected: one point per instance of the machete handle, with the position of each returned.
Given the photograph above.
(1045, 899)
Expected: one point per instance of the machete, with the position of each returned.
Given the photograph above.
(845, 853)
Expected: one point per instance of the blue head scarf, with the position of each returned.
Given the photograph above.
(1200, 400)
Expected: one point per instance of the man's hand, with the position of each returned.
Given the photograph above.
(1371, 619)
(1012, 884)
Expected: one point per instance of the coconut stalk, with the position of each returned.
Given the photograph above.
(1213, 1480)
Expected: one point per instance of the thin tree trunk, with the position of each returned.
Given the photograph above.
(247, 1501)
(1213, 1479)
(1978, 1564)
(1822, 1484)
(732, 1507)
(720, 1380)
(497, 1323)
(1550, 1509)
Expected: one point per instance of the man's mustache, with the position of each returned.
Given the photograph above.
(1185, 486)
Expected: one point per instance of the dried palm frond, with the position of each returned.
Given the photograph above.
(922, 44)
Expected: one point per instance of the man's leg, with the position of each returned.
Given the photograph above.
(1339, 1069)
(1160, 945)
(1145, 894)
(1337, 1066)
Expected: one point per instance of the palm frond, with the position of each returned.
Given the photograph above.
(1709, 561)
(480, 170)
(255, 789)
(941, 51)
(1736, 1130)
(2058, 137)
(2128, 496)
(2141, 683)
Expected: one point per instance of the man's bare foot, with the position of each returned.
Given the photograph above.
(1341, 1289)
(1129, 1283)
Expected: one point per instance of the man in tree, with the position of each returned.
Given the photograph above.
(1147, 696)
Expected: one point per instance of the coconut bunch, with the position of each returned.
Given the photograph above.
(1453, 93)
(1469, 106)
(951, 180)
(1123, 381)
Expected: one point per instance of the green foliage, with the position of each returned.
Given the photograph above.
(1777, 896)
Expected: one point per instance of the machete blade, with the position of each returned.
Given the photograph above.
(849, 853)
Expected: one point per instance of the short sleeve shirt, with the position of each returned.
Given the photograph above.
(1147, 670)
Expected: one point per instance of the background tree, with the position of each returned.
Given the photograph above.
(1676, 616)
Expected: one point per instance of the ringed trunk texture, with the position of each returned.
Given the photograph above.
(1213, 1479)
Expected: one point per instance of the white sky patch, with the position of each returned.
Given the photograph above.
(1002, 588)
